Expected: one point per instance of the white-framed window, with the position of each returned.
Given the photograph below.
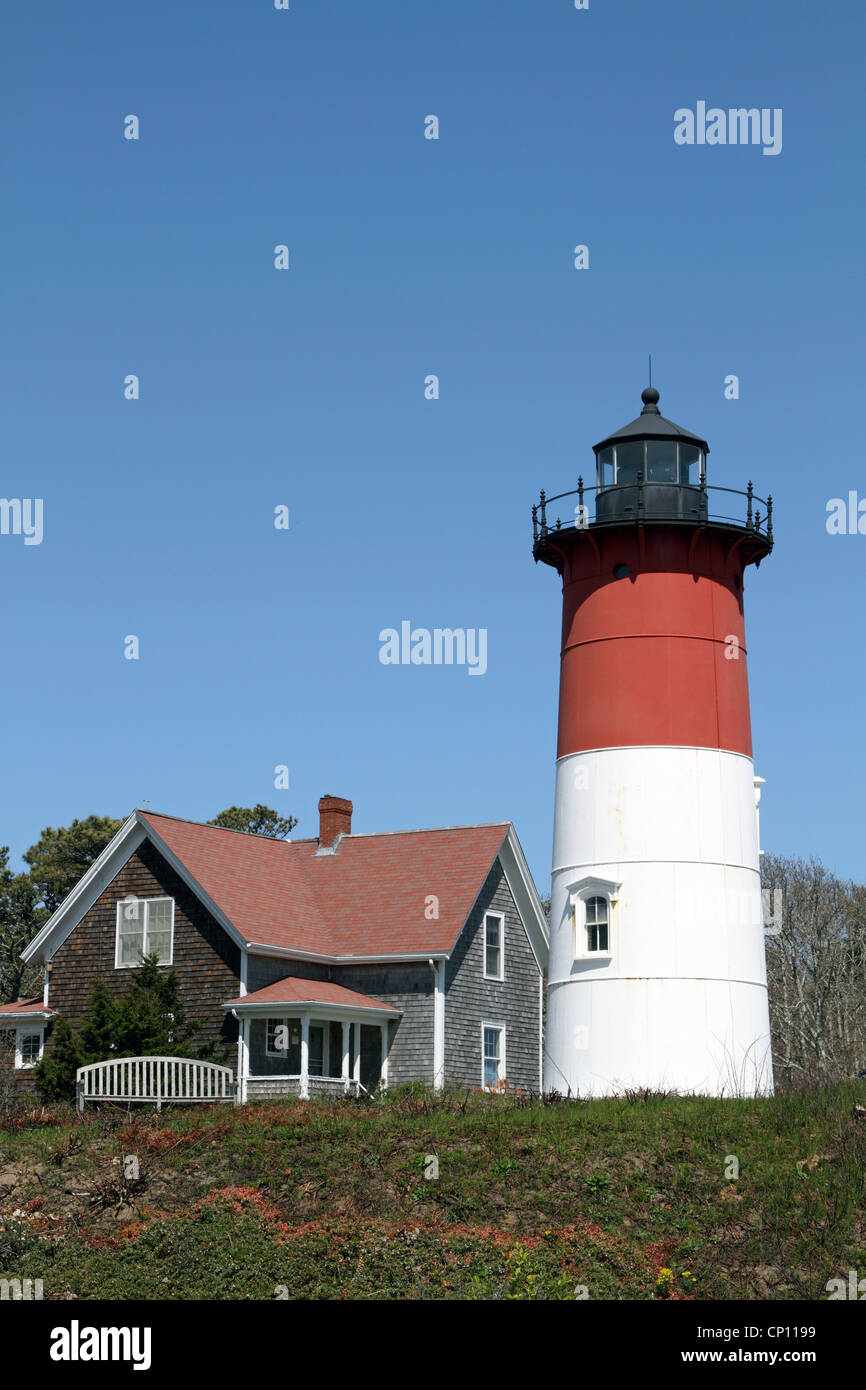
(492, 1054)
(597, 918)
(494, 946)
(277, 1035)
(29, 1044)
(592, 903)
(144, 926)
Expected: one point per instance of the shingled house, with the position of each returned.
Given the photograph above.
(327, 962)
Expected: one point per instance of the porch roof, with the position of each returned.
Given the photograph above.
(25, 1009)
(298, 993)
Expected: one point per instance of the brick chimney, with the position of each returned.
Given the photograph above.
(335, 818)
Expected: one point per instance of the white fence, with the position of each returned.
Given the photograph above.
(153, 1080)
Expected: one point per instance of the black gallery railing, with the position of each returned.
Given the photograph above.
(642, 501)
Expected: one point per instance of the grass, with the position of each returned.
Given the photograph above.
(631, 1198)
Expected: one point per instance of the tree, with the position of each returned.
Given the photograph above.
(60, 857)
(816, 972)
(260, 820)
(21, 916)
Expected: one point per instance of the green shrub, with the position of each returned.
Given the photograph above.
(148, 1019)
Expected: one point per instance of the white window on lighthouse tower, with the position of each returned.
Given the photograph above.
(592, 901)
(597, 925)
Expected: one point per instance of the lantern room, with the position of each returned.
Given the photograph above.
(651, 466)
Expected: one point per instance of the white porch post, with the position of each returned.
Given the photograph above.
(383, 1029)
(245, 1059)
(438, 1024)
(305, 1056)
(358, 1051)
(345, 1069)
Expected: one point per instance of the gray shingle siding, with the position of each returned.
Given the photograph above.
(470, 999)
(410, 988)
(266, 970)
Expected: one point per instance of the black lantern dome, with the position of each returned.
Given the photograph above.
(651, 454)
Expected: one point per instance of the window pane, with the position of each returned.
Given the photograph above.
(492, 1056)
(131, 931)
(596, 924)
(160, 946)
(492, 946)
(130, 948)
(158, 930)
(629, 462)
(661, 461)
(605, 468)
(316, 1060)
(690, 458)
(30, 1047)
(131, 914)
(159, 914)
(335, 1057)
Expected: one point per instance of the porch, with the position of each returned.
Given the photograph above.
(310, 1037)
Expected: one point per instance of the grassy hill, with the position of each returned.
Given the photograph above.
(622, 1199)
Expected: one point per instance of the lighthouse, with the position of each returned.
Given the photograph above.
(657, 973)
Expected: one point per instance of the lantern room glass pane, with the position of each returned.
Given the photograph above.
(629, 462)
(690, 464)
(605, 468)
(661, 461)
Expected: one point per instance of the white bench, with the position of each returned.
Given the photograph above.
(153, 1080)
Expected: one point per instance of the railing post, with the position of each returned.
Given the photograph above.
(534, 524)
(749, 523)
(770, 519)
(543, 515)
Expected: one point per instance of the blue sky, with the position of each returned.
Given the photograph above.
(306, 387)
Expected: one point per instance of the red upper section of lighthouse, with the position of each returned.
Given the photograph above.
(657, 657)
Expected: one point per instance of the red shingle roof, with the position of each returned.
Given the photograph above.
(368, 898)
(26, 1007)
(292, 990)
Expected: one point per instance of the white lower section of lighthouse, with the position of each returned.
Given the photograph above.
(657, 965)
